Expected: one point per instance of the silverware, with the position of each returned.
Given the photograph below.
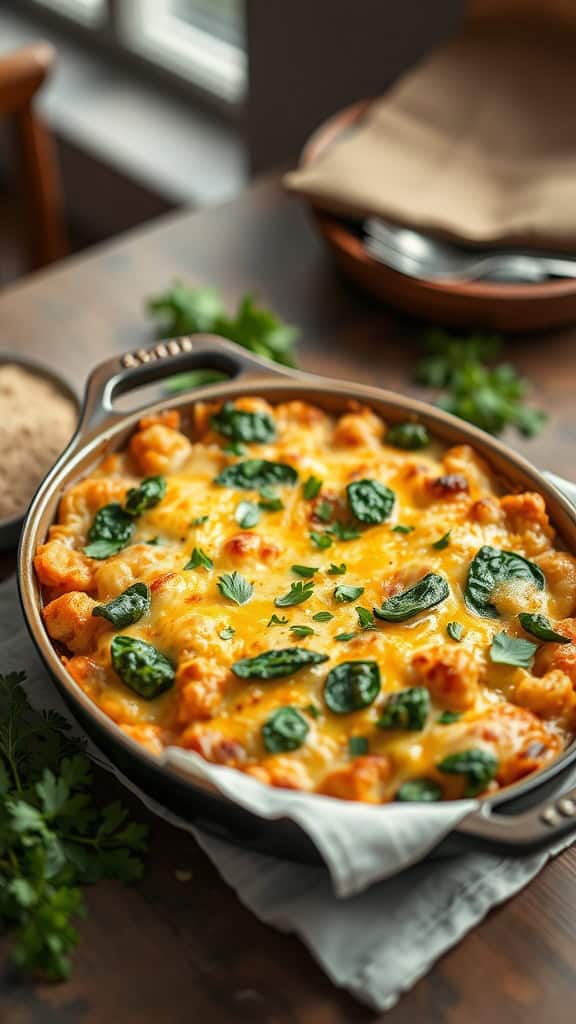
(421, 256)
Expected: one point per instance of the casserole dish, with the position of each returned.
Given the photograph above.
(103, 430)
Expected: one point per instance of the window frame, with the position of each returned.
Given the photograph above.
(218, 89)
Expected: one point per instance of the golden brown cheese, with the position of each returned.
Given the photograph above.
(521, 717)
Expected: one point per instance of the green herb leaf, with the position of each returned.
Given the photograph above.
(199, 560)
(235, 448)
(406, 709)
(199, 521)
(227, 633)
(345, 636)
(322, 616)
(478, 766)
(286, 729)
(447, 717)
(344, 593)
(248, 427)
(277, 664)
(426, 594)
(247, 514)
(127, 608)
(419, 791)
(443, 541)
(269, 501)
(370, 501)
(490, 567)
(148, 494)
(275, 620)
(402, 529)
(409, 436)
(541, 627)
(256, 473)
(365, 618)
(312, 710)
(235, 587)
(323, 511)
(344, 531)
(307, 571)
(141, 666)
(358, 746)
(154, 541)
(455, 630)
(337, 570)
(311, 488)
(511, 650)
(111, 530)
(183, 310)
(298, 593)
(302, 631)
(352, 686)
(321, 540)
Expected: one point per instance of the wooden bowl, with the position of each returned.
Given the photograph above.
(503, 307)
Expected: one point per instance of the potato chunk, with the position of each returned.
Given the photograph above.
(69, 620)
(559, 569)
(363, 779)
(62, 568)
(159, 449)
(451, 675)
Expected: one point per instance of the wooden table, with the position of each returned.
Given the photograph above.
(181, 953)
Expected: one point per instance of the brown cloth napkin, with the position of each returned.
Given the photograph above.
(477, 143)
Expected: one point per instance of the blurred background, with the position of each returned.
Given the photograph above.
(158, 104)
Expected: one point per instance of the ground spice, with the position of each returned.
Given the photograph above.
(36, 422)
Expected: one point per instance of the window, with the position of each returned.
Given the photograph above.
(198, 41)
(201, 40)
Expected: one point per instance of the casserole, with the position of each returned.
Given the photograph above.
(103, 431)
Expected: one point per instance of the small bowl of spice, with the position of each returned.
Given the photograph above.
(38, 416)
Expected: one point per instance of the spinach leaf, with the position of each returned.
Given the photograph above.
(235, 587)
(428, 592)
(256, 473)
(419, 791)
(409, 436)
(477, 765)
(511, 650)
(285, 729)
(455, 630)
(199, 559)
(407, 709)
(127, 608)
(358, 746)
(298, 593)
(491, 566)
(238, 425)
(541, 627)
(111, 530)
(146, 495)
(141, 667)
(344, 593)
(370, 501)
(311, 488)
(247, 514)
(277, 664)
(351, 686)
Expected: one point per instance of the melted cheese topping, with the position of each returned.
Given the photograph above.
(521, 717)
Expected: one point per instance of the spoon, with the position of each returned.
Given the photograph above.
(427, 258)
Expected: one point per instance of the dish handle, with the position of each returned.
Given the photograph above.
(132, 370)
(544, 825)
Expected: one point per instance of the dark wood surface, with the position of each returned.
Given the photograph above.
(174, 952)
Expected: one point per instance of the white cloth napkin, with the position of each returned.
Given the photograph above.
(380, 939)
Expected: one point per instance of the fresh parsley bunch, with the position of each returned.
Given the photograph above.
(492, 397)
(185, 310)
(53, 837)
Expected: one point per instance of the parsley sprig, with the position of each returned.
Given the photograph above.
(54, 839)
(472, 387)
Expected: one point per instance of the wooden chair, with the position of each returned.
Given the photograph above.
(22, 74)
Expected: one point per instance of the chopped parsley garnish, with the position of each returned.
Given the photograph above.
(455, 630)
(358, 745)
(447, 717)
(345, 636)
(247, 514)
(323, 511)
(311, 487)
(302, 631)
(277, 620)
(199, 560)
(298, 593)
(321, 540)
(344, 593)
(199, 521)
(227, 633)
(442, 541)
(235, 587)
(336, 570)
(307, 571)
(402, 529)
(322, 616)
(365, 618)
